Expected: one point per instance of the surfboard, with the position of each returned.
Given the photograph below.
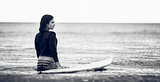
(84, 67)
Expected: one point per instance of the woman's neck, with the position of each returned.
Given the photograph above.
(47, 29)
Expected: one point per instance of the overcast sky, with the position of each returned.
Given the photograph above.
(95, 11)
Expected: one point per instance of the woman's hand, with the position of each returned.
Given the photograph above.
(58, 65)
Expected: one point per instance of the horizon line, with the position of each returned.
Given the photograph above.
(84, 22)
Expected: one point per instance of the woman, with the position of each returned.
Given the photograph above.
(46, 45)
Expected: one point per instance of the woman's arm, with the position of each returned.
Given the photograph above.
(53, 49)
(53, 46)
(37, 46)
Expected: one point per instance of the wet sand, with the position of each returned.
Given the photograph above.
(80, 77)
(135, 47)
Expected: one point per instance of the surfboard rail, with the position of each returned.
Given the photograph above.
(86, 67)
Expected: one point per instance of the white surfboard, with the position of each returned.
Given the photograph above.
(85, 67)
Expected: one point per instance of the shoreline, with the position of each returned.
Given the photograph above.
(70, 77)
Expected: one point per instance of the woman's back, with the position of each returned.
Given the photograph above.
(46, 44)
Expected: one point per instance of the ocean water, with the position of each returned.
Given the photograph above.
(135, 47)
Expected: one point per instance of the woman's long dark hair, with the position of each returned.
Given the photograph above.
(44, 21)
